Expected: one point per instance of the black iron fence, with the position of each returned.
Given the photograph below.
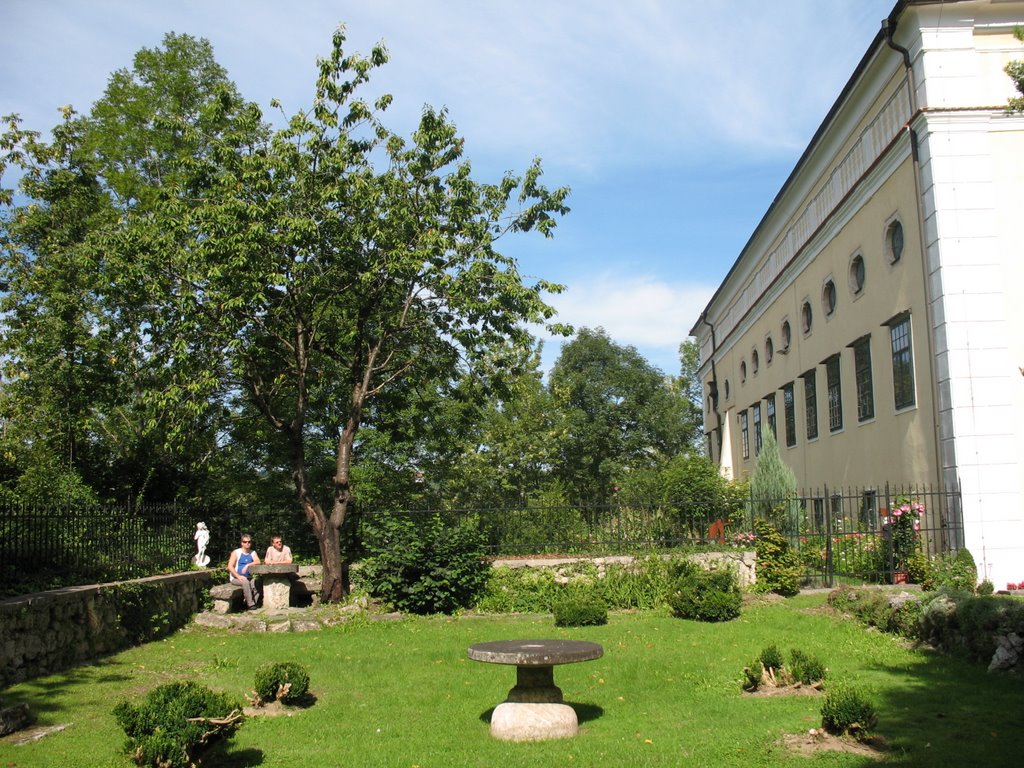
(874, 534)
(862, 535)
(858, 534)
(50, 546)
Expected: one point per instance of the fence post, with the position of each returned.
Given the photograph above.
(829, 564)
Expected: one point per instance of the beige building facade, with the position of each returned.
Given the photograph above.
(876, 315)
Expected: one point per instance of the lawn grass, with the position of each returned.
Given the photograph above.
(666, 693)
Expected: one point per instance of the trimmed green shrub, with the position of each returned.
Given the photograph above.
(284, 681)
(705, 595)
(753, 674)
(162, 730)
(804, 668)
(579, 611)
(771, 657)
(778, 566)
(847, 711)
(423, 566)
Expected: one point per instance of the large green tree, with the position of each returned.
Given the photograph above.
(77, 367)
(312, 270)
(621, 414)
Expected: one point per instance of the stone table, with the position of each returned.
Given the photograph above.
(276, 583)
(534, 709)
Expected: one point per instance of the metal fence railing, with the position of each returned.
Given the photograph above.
(848, 534)
(43, 546)
(872, 534)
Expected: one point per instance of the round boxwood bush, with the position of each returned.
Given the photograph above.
(706, 596)
(579, 611)
(163, 730)
(847, 711)
(284, 681)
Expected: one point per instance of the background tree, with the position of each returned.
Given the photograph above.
(291, 271)
(690, 388)
(77, 373)
(621, 414)
(773, 486)
(1015, 69)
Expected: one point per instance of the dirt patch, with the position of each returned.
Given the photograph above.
(273, 709)
(785, 690)
(762, 598)
(817, 740)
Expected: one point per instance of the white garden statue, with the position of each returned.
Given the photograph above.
(202, 538)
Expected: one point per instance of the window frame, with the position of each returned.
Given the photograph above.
(834, 392)
(744, 433)
(864, 379)
(789, 413)
(756, 411)
(904, 379)
(811, 403)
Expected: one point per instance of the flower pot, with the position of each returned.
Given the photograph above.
(900, 577)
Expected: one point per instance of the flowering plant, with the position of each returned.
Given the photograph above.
(903, 527)
(744, 539)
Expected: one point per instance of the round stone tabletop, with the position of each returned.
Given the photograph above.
(270, 569)
(535, 653)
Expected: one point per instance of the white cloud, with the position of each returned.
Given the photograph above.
(642, 311)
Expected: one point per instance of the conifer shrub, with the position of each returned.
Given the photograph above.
(576, 610)
(175, 723)
(284, 681)
(847, 711)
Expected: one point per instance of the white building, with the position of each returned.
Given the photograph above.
(879, 303)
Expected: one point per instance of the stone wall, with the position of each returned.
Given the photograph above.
(50, 631)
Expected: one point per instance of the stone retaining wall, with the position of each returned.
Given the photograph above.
(46, 632)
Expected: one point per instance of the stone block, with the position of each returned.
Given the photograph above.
(524, 721)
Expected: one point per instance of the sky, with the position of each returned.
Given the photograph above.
(674, 122)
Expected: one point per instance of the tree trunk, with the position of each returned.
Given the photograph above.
(335, 583)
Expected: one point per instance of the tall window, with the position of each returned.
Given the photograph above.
(835, 394)
(745, 434)
(789, 413)
(769, 407)
(757, 428)
(902, 362)
(811, 403)
(865, 386)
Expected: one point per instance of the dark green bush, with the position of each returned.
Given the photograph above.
(778, 566)
(422, 565)
(705, 595)
(847, 711)
(579, 611)
(160, 732)
(804, 668)
(771, 657)
(284, 681)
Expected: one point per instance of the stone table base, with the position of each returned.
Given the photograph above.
(276, 583)
(526, 721)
